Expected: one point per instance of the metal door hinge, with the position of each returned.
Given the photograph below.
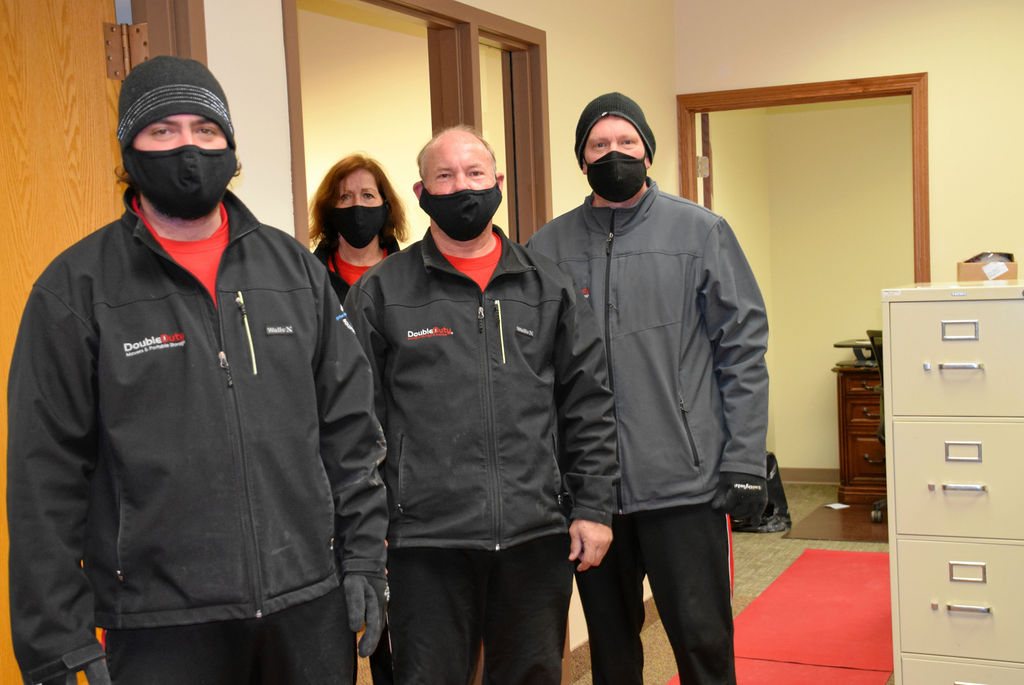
(126, 46)
(703, 166)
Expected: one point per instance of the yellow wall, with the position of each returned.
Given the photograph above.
(820, 196)
(588, 54)
(971, 52)
(354, 101)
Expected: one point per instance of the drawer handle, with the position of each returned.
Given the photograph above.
(969, 608)
(961, 366)
(964, 682)
(964, 487)
(871, 388)
(869, 460)
(865, 412)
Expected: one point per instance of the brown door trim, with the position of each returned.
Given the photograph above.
(914, 85)
(176, 27)
(454, 33)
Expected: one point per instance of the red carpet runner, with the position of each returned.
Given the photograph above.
(826, 619)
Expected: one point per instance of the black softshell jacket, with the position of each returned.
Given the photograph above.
(205, 463)
(495, 403)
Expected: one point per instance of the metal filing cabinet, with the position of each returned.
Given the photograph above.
(953, 358)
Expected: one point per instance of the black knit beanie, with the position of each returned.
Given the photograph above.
(612, 104)
(164, 86)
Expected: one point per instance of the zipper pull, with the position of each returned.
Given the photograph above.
(223, 362)
(608, 244)
(480, 318)
(240, 301)
(501, 331)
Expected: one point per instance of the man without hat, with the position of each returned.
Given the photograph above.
(492, 388)
(193, 449)
(686, 332)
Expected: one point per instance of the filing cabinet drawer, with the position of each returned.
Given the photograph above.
(952, 672)
(958, 479)
(961, 599)
(956, 358)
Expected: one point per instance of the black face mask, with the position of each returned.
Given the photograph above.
(617, 176)
(187, 182)
(462, 215)
(358, 225)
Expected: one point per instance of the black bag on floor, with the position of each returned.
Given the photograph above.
(775, 518)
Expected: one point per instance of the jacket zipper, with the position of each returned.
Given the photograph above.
(607, 330)
(489, 420)
(501, 330)
(608, 301)
(256, 573)
(222, 362)
(240, 301)
(689, 435)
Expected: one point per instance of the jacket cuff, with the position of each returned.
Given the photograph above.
(70, 662)
(595, 515)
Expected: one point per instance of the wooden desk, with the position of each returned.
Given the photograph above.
(861, 454)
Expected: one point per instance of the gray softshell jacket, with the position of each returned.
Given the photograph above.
(685, 328)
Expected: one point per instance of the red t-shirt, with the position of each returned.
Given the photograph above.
(349, 272)
(200, 257)
(480, 269)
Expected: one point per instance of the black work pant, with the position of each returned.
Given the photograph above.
(684, 552)
(308, 644)
(444, 602)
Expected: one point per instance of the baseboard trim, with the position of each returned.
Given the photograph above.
(803, 475)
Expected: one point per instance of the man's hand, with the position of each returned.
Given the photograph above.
(590, 542)
(741, 495)
(365, 597)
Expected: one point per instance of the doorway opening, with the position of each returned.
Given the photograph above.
(467, 67)
(914, 85)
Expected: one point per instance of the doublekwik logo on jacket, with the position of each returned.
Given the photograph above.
(430, 332)
(162, 341)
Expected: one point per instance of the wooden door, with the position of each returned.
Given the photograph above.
(58, 152)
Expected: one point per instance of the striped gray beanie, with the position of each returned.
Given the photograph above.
(164, 86)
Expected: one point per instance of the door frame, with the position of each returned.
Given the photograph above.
(914, 85)
(454, 33)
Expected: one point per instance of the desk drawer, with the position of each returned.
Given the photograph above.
(935, 672)
(961, 599)
(865, 411)
(956, 358)
(958, 479)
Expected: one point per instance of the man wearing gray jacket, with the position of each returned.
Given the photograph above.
(685, 330)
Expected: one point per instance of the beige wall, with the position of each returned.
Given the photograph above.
(971, 52)
(820, 197)
(245, 50)
(588, 55)
(354, 101)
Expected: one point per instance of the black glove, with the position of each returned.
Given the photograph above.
(365, 597)
(741, 495)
